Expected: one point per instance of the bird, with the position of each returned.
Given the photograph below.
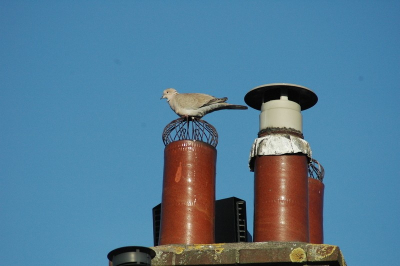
(196, 105)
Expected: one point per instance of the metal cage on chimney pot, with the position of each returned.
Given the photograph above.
(190, 129)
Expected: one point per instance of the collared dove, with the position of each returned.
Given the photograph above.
(196, 104)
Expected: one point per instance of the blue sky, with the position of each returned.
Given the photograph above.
(81, 117)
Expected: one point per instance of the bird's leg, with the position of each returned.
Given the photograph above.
(186, 117)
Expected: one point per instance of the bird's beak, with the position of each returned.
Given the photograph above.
(162, 97)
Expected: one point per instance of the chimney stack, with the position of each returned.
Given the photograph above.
(279, 158)
(188, 197)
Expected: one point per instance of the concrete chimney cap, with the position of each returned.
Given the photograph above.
(305, 97)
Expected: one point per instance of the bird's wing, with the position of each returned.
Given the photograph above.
(215, 100)
(193, 100)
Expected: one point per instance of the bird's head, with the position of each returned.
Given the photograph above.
(168, 94)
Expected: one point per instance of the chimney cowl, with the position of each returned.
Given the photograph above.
(131, 255)
(281, 105)
(305, 97)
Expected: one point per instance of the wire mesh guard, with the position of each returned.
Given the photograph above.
(190, 129)
(315, 170)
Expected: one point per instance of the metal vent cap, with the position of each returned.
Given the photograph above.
(305, 97)
(131, 255)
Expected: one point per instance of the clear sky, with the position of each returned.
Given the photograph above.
(81, 118)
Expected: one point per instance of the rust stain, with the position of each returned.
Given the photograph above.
(298, 255)
(178, 173)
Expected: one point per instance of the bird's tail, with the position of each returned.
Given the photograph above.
(223, 106)
(234, 106)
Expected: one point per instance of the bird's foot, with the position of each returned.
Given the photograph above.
(190, 118)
